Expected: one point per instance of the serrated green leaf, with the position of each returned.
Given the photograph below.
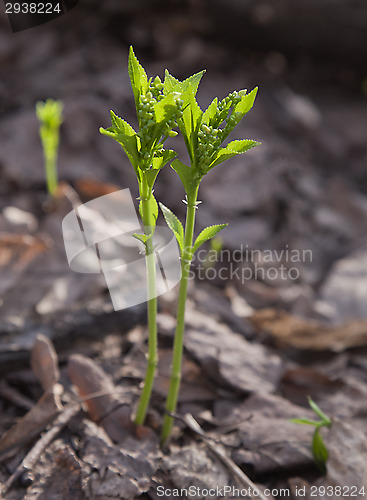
(174, 224)
(325, 419)
(206, 234)
(170, 82)
(125, 135)
(305, 421)
(232, 149)
(138, 76)
(190, 122)
(211, 112)
(173, 84)
(153, 208)
(319, 451)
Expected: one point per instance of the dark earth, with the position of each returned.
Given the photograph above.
(255, 349)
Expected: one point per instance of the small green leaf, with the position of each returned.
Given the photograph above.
(211, 113)
(192, 114)
(125, 135)
(138, 76)
(232, 149)
(185, 174)
(151, 176)
(246, 102)
(153, 208)
(206, 234)
(325, 419)
(305, 421)
(166, 108)
(174, 224)
(160, 161)
(319, 451)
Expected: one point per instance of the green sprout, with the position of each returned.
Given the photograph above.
(156, 112)
(49, 114)
(204, 134)
(319, 450)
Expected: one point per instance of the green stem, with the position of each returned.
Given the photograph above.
(51, 171)
(175, 379)
(152, 305)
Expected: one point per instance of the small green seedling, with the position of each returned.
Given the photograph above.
(156, 113)
(319, 450)
(49, 114)
(204, 134)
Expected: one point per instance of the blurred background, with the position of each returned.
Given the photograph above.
(304, 188)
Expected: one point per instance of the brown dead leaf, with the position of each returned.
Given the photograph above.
(288, 331)
(107, 407)
(44, 362)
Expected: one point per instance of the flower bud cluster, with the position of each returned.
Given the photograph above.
(226, 108)
(146, 117)
(156, 88)
(209, 139)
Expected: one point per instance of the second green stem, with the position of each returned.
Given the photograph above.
(175, 379)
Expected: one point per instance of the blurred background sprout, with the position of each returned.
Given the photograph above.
(49, 114)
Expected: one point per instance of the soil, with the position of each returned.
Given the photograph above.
(277, 314)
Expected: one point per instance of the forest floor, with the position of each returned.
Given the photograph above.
(255, 349)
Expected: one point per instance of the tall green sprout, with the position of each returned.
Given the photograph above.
(156, 113)
(204, 134)
(49, 114)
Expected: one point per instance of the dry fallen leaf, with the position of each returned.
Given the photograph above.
(290, 331)
(44, 362)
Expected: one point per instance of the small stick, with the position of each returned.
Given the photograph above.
(238, 473)
(34, 454)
